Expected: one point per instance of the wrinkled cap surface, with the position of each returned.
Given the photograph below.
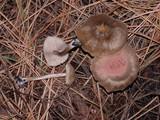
(102, 33)
(51, 44)
(116, 72)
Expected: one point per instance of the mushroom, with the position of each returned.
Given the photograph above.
(101, 34)
(70, 75)
(56, 50)
(51, 44)
(116, 72)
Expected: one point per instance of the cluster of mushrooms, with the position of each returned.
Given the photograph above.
(114, 65)
(55, 52)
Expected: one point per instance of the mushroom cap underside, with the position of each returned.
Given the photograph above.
(102, 33)
(116, 72)
(70, 74)
(51, 44)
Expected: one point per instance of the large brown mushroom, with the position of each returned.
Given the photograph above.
(116, 72)
(102, 34)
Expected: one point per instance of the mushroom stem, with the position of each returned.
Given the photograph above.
(22, 81)
(44, 77)
(69, 77)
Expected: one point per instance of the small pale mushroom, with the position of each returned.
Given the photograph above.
(56, 50)
(51, 44)
(116, 72)
(102, 34)
(70, 76)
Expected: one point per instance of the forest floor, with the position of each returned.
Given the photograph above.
(24, 25)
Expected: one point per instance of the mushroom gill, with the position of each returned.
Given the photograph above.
(116, 72)
(51, 44)
(102, 34)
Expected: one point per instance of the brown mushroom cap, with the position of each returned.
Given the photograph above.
(70, 74)
(116, 72)
(51, 44)
(102, 33)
